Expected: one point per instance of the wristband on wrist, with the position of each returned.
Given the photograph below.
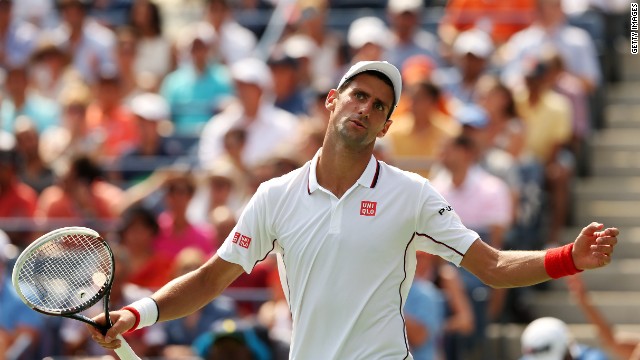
(558, 262)
(146, 312)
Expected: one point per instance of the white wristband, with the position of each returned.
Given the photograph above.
(147, 310)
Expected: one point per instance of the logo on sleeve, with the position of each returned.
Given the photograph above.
(368, 208)
(241, 240)
(245, 241)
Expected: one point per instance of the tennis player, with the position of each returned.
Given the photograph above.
(346, 228)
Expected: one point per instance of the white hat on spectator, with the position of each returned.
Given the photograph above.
(368, 29)
(252, 71)
(546, 338)
(400, 6)
(475, 42)
(150, 106)
(202, 31)
(299, 46)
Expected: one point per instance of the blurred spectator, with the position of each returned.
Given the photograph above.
(138, 235)
(21, 100)
(547, 118)
(327, 53)
(60, 143)
(90, 43)
(181, 333)
(40, 13)
(549, 338)
(234, 340)
(153, 55)
(417, 68)
(154, 149)
(235, 42)
(32, 169)
(266, 126)
(197, 87)
(424, 313)
(368, 39)
(618, 344)
(500, 19)
(126, 49)
(290, 95)
(472, 51)
(417, 137)
(176, 231)
(82, 193)
(17, 200)
(484, 203)
(50, 68)
(20, 327)
(18, 37)
(109, 118)
(76, 339)
(551, 29)
(408, 37)
(111, 13)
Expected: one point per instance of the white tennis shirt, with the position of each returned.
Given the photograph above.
(346, 265)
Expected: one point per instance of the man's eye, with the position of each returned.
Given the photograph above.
(379, 107)
(359, 96)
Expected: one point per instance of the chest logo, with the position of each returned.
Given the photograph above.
(368, 208)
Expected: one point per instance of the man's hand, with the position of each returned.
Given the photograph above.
(593, 247)
(123, 320)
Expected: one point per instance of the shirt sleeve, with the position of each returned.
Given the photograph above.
(439, 230)
(253, 238)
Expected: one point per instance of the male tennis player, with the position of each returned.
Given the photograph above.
(346, 228)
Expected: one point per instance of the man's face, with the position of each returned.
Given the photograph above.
(359, 112)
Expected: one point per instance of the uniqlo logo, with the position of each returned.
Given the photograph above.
(368, 208)
(245, 241)
(236, 237)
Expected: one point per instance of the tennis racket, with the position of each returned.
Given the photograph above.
(65, 272)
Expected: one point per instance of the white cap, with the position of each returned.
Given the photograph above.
(368, 29)
(387, 69)
(474, 41)
(400, 6)
(299, 46)
(150, 106)
(546, 338)
(201, 30)
(252, 71)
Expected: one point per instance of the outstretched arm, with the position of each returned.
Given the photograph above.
(499, 269)
(180, 297)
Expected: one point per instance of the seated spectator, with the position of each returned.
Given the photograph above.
(82, 193)
(408, 36)
(235, 41)
(266, 126)
(234, 339)
(20, 100)
(181, 333)
(17, 200)
(153, 55)
(368, 39)
(125, 49)
(19, 37)
(197, 88)
(424, 313)
(51, 68)
(290, 96)
(417, 137)
(89, 43)
(549, 338)
(32, 169)
(138, 235)
(152, 115)
(108, 116)
(18, 322)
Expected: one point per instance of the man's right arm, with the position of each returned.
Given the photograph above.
(180, 297)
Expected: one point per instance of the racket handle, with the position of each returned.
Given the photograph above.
(125, 352)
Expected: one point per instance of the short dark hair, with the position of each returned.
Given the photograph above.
(143, 215)
(378, 75)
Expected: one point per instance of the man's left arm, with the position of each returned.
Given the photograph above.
(592, 249)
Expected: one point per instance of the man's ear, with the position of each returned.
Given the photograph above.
(385, 128)
(330, 102)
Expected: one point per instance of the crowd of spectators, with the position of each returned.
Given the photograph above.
(158, 141)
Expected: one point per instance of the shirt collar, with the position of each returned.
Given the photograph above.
(369, 177)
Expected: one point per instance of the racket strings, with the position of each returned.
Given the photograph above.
(67, 273)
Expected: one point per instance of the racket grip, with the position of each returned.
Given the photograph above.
(125, 352)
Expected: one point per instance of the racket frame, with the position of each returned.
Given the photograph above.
(103, 293)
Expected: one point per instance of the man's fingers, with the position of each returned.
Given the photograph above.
(603, 259)
(604, 249)
(607, 240)
(591, 228)
(114, 344)
(608, 232)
